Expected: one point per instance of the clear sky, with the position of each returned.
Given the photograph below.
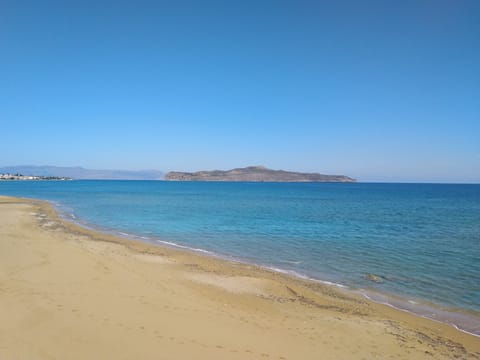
(378, 90)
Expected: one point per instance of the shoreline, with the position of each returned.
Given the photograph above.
(431, 311)
(277, 304)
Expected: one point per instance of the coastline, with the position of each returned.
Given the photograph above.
(185, 304)
(458, 318)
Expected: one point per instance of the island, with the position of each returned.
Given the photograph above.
(255, 174)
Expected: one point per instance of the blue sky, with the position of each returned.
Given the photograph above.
(378, 90)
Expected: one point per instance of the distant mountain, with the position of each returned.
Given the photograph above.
(82, 173)
(256, 174)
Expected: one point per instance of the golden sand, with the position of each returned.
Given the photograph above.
(71, 293)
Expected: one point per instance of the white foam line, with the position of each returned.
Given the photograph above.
(420, 315)
(185, 247)
(464, 331)
(301, 276)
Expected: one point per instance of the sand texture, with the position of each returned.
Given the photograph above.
(71, 293)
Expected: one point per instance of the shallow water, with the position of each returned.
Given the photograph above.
(418, 241)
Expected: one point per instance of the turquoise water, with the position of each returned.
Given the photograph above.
(422, 240)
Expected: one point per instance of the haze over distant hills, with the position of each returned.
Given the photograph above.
(255, 174)
(82, 173)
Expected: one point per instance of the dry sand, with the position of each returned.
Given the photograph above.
(71, 293)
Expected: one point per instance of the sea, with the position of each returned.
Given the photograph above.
(412, 246)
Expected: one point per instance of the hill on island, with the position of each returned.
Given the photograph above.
(79, 173)
(255, 174)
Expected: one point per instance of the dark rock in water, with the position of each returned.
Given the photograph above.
(256, 174)
(375, 278)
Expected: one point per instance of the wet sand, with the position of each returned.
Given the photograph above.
(71, 293)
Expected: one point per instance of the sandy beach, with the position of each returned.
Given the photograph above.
(67, 292)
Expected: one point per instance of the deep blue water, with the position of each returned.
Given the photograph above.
(422, 239)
